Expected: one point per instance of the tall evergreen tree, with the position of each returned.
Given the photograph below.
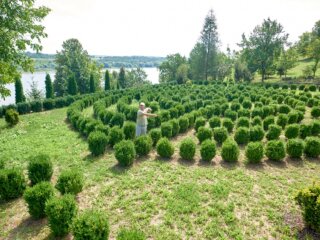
(122, 78)
(19, 91)
(72, 85)
(107, 81)
(92, 84)
(49, 87)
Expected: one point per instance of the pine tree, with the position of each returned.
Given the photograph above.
(92, 84)
(122, 78)
(19, 91)
(49, 87)
(72, 85)
(107, 81)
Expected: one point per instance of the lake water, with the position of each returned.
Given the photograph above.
(39, 78)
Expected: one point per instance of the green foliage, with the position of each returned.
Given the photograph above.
(282, 120)
(129, 130)
(243, 122)
(292, 131)
(315, 128)
(12, 183)
(12, 117)
(208, 150)
(116, 135)
(97, 143)
(155, 135)
(256, 121)
(200, 122)
(204, 133)
(183, 124)
(70, 181)
(215, 122)
(36, 198)
(275, 150)
(122, 78)
(36, 106)
(60, 212)
(130, 234)
(117, 119)
(230, 151)
(91, 225)
(305, 130)
(125, 152)
(107, 84)
(220, 134)
(228, 124)
(187, 149)
(49, 87)
(143, 145)
(92, 84)
(166, 129)
(2, 164)
(256, 133)
(254, 152)
(72, 85)
(40, 169)
(169, 68)
(315, 112)
(242, 135)
(23, 108)
(19, 91)
(165, 148)
(267, 122)
(273, 132)
(295, 148)
(312, 147)
(175, 127)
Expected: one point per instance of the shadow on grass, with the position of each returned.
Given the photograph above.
(255, 166)
(308, 234)
(117, 169)
(92, 158)
(230, 165)
(187, 163)
(313, 160)
(206, 164)
(296, 162)
(277, 164)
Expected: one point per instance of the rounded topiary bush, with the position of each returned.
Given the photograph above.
(116, 135)
(292, 131)
(293, 117)
(11, 117)
(60, 213)
(125, 152)
(273, 132)
(230, 114)
(184, 124)
(315, 128)
(312, 147)
(91, 225)
(36, 106)
(40, 169)
(12, 184)
(70, 181)
(165, 148)
(230, 151)
(131, 234)
(228, 124)
(187, 149)
(155, 135)
(267, 122)
(256, 121)
(254, 152)
(208, 150)
(166, 129)
(282, 120)
(204, 133)
(315, 112)
(36, 198)
(256, 133)
(215, 122)
(200, 122)
(98, 142)
(243, 122)
(275, 150)
(2, 163)
(143, 145)
(129, 130)
(220, 134)
(305, 130)
(295, 148)
(242, 135)
(117, 119)
(175, 127)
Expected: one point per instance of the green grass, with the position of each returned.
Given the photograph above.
(165, 199)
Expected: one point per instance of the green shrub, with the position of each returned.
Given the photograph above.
(98, 142)
(40, 169)
(12, 184)
(130, 234)
(70, 181)
(230, 114)
(36, 198)
(214, 122)
(267, 122)
(204, 133)
(295, 148)
(23, 107)
(129, 130)
(228, 124)
(275, 150)
(207, 150)
(293, 117)
(315, 112)
(308, 199)
(305, 131)
(36, 106)
(91, 225)
(187, 149)
(256, 121)
(282, 120)
(273, 132)
(200, 122)
(175, 127)
(256, 133)
(143, 145)
(165, 148)
(116, 135)
(283, 108)
(315, 131)
(184, 124)
(11, 117)
(242, 135)
(243, 122)
(2, 163)
(312, 147)
(125, 152)
(166, 129)
(155, 135)
(220, 134)
(48, 104)
(230, 151)
(117, 119)
(292, 131)
(254, 152)
(60, 212)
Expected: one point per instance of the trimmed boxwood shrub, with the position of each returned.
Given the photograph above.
(230, 114)
(36, 106)
(36, 198)
(315, 128)
(254, 152)
(183, 124)
(305, 131)
(129, 130)
(12, 184)
(315, 112)
(175, 127)
(23, 108)
(282, 120)
(215, 122)
(187, 148)
(312, 147)
(125, 152)
(204, 133)
(91, 225)
(230, 151)
(283, 108)
(11, 117)
(2, 164)
(48, 104)
(295, 148)
(40, 169)
(267, 122)
(117, 119)
(60, 212)
(275, 150)
(293, 117)
(273, 132)
(220, 134)
(242, 135)
(98, 142)
(256, 121)
(292, 131)
(70, 181)
(200, 122)
(143, 145)
(256, 133)
(155, 135)
(130, 234)
(243, 122)
(166, 129)
(228, 124)
(116, 135)
(165, 148)
(207, 150)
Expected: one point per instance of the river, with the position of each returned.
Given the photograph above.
(39, 78)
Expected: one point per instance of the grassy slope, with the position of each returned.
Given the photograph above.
(166, 199)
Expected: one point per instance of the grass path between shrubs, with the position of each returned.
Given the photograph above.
(166, 199)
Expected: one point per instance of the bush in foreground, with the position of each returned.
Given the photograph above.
(11, 117)
(207, 150)
(40, 169)
(187, 149)
(292, 131)
(204, 133)
(60, 212)
(242, 135)
(220, 134)
(200, 122)
(12, 184)
(183, 124)
(166, 129)
(230, 151)
(275, 150)
(256, 133)
(155, 135)
(273, 132)
(130, 234)
(116, 135)
(70, 181)
(129, 130)
(91, 225)
(98, 142)
(254, 152)
(295, 148)
(143, 145)
(125, 152)
(165, 148)
(312, 147)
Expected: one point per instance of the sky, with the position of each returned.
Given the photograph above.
(162, 27)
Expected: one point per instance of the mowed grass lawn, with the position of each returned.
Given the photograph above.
(166, 199)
